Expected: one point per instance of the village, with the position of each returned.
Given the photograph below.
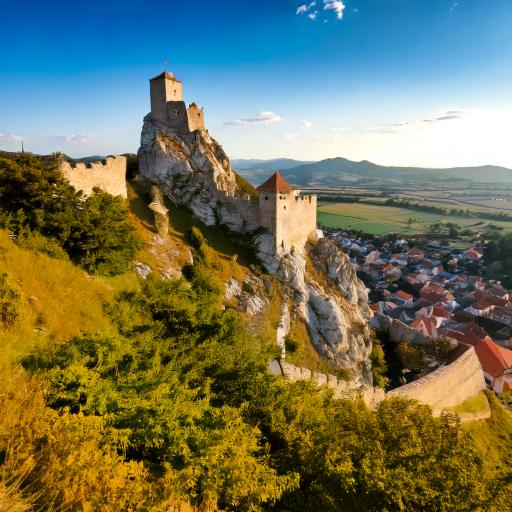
(433, 291)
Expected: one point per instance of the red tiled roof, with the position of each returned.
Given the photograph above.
(167, 75)
(494, 359)
(404, 295)
(276, 183)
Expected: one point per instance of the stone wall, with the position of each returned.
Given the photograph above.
(447, 386)
(398, 331)
(177, 117)
(195, 117)
(108, 175)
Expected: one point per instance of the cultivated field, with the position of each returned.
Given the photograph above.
(378, 220)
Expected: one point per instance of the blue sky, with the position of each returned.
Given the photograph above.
(423, 82)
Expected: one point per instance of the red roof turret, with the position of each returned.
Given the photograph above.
(276, 183)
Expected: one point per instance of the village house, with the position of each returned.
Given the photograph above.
(496, 363)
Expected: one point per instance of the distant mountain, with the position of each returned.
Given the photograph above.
(268, 165)
(334, 172)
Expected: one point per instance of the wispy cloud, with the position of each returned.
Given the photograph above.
(449, 115)
(306, 124)
(305, 8)
(335, 5)
(291, 136)
(261, 118)
(10, 137)
(81, 138)
(454, 6)
(312, 15)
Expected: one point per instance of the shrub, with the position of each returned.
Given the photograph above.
(39, 206)
(9, 302)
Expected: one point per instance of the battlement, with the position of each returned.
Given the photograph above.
(108, 175)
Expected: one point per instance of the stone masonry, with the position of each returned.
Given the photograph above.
(108, 175)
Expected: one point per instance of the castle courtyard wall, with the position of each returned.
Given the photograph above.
(109, 175)
(195, 118)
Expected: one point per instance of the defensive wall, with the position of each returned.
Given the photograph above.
(448, 386)
(109, 175)
(398, 331)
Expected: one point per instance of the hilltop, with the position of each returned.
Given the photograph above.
(334, 172)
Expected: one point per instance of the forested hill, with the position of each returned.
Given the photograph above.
(341, 171)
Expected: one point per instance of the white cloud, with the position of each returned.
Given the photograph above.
(304, 8)
(454, 6)
(306, 124)
(291, 136)
(261, 118)
(335, 5)
(10, 137)
(448, 115)
(81, 138)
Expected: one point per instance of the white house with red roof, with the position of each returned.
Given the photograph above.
(496, 363)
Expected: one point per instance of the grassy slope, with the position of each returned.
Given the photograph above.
(493, 438)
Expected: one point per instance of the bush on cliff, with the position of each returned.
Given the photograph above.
(38, 205)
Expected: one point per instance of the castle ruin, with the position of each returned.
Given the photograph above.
(108, 175)
(284, 212)
(168, 107)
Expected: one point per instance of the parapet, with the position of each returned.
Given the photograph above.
(108, 175)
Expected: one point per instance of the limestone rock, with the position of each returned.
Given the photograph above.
(142, 269)
(336, 316)
(193, 170)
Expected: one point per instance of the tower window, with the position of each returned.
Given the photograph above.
(266, 198)
(284, 207)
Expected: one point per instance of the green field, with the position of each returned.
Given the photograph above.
(378, 220)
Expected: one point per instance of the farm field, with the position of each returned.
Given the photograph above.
(378, 220)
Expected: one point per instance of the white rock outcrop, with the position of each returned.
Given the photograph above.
(193, 170)
(334, 309)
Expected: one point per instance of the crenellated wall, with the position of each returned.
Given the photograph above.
(109, 175)
(447, 386)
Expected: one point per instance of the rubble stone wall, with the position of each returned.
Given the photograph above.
(109, 175)
(447, 386)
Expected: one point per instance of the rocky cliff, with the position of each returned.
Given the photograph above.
(194, 171)
(331, 300)
(318, 286)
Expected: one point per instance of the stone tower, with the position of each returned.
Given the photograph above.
(164, 88)
(288, 215)
(168, 107)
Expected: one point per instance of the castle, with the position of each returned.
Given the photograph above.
(168, 107)
(287, 214)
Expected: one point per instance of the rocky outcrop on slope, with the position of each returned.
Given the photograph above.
(193, 170)
(334, 308)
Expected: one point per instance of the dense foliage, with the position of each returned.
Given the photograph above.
(500, 250)
(189, 402)
(48, 215)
